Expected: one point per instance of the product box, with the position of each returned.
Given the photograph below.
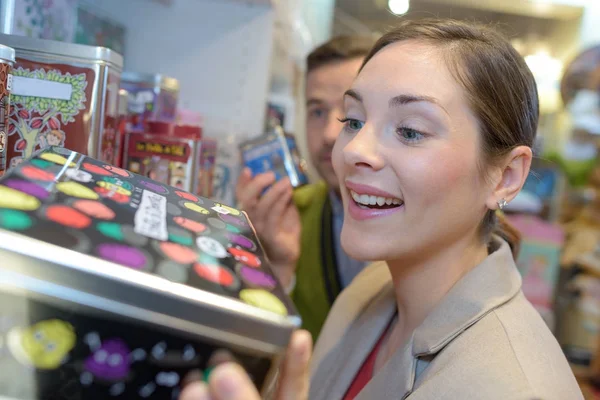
(63, 94)
(116, 286)
(208, 154)
(276, 151)
(123, 126)
(165, 153)
(152, 97)
(7, 59)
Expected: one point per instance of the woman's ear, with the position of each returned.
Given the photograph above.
(515, 170)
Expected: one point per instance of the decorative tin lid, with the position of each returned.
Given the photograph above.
(105, 224)
(162, 81)
(92, 54)
(7, 53)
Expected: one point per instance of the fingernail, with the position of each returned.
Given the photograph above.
(228, 379)
(306, 344)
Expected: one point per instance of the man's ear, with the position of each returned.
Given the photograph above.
(514, 172)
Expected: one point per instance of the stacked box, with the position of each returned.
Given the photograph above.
(63, 95)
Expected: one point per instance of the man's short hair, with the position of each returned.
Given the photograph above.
(339, 48)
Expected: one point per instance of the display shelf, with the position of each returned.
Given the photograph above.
(220, 51)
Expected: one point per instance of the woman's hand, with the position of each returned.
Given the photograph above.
(229, 381)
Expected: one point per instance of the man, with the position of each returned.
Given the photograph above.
(302, 237)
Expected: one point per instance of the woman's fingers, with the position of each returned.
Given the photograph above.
(294, 379)
(231, 382)
(195, 391)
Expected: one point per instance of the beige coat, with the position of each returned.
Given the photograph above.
(483, 341)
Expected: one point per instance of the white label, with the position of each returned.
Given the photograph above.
(211, 247)
(151, 217)
(221, 210)
(78, 175)
(9, 81)
(31, 87)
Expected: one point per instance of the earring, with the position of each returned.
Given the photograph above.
(502, 203)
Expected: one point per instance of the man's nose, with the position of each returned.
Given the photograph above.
(333, 128)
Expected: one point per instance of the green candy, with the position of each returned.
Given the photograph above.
(15, 220)
(233, 229)
(183, 240)
(41, 163)
(110, 229)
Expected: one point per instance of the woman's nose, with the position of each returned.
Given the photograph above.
(363, 151)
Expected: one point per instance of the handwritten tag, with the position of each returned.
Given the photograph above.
(151, 217)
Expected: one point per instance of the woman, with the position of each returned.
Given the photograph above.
(438, 133)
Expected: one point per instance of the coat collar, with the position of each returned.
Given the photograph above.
(486, 287)
(489, 285)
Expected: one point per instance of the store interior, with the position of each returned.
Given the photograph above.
(212, 76)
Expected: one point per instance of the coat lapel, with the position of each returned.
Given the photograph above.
(488, 286)
(395, 379)
(337, 369)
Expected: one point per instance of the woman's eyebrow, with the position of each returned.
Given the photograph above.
(403, 99)
(354, 94)
(399, 100)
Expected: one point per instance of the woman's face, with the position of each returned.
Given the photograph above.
(410, 149)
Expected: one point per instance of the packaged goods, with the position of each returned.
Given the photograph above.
(63, 95)
(276, 151)
(115, 285)
(7, 59)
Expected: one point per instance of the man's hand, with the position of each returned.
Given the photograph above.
(275, 218)
(230, 382)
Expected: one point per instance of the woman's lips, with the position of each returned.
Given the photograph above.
(359, 213)
(362, 212)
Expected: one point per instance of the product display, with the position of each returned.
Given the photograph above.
(115, 285)
(151, 98)
(123, 126)
(7, 59)
(165, 153)
(63, 95)
(277, 152)
(208, 154)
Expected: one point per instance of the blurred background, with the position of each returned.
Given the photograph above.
(231, 67)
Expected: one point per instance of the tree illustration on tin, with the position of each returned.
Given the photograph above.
(33, 118)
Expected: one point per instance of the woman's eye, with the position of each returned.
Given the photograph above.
(410, 135)
(352, 125)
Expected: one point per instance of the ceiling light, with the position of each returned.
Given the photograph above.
(399, 7)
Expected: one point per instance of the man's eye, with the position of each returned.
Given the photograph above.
(317, 113)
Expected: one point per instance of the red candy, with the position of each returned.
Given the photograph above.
(245, 257)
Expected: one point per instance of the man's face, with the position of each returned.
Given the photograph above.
(325, 87)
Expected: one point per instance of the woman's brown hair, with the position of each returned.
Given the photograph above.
(499, 86)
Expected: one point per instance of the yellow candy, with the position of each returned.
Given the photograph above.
(77, 190)
(262, 299)
(196, 207)
(57, 159)
(115, 188)
(11, 198)
(232, 211)
(44, 345)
